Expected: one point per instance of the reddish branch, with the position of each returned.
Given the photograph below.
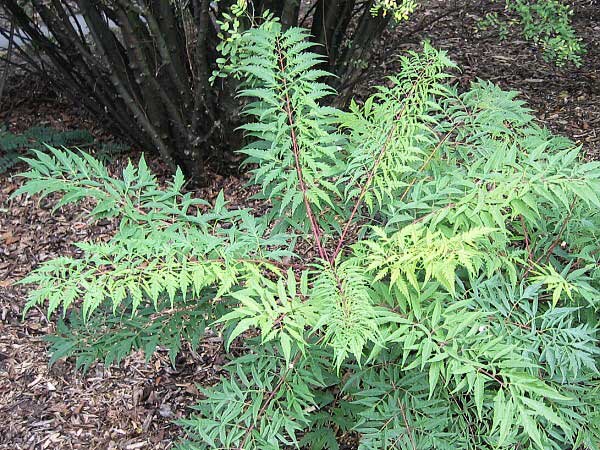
(316, 231)
(427, 161)
(492, 376)
(368, 182)
(527, 240)
(373, 171)
(548, 253)
(364, 189)
(407, 427)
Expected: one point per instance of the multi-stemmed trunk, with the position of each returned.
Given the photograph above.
(143, 66)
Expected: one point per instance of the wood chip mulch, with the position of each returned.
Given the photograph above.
(129, 407)
(565, 99)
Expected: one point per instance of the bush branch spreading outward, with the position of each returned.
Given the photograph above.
(147, 69)
(426, 276)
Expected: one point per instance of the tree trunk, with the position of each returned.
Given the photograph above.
(142, 66)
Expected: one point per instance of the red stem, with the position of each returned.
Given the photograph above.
(554, 244)
(407, 426)
(427, 161)
(527, 244)
(371, 175)
(362, 194)
(316, 231)
(547, 254)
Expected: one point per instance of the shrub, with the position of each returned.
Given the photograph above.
(547, 24)
(426, 277)
(145, 69)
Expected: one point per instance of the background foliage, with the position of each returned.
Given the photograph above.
(16, 145)
(146, 68)
(11, 144)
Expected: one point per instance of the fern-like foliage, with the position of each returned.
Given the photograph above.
(449, 290)
(348, 316)
(109, 337)
(164, 252)
(387, 135)
(263, 404)
(11, 144)
(295, 146)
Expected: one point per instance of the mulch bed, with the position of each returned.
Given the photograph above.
(127, 407)
(566, 100)
(133, 406)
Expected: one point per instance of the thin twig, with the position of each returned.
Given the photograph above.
(371, 174)
(548, 253)
(363, 192)
(422, 218)
(492, 376)
(428, 160)
(296, 150)
(407, 426)
(527, 240)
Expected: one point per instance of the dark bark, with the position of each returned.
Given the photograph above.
(8, 65)
(144, 68)
(352, 60)
(326, 21)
